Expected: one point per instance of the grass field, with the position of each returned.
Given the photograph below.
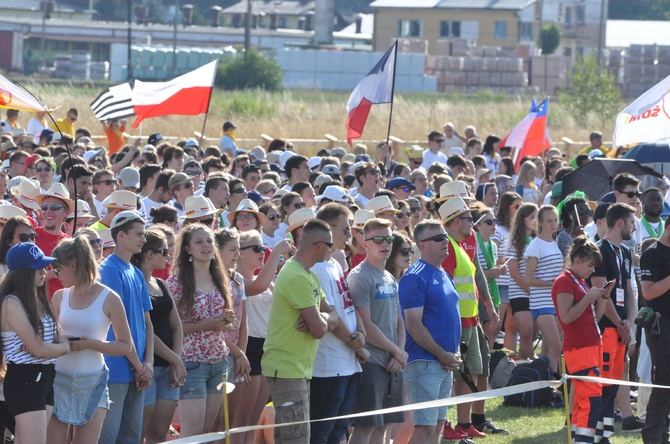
(312, 114)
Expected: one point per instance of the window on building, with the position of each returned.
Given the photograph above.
(526, 31)
(450, 29)
(580, 51)
(410, 28)
(567, 52)
(568, 16)
(581, 14)
(281, 22)
(501, 31)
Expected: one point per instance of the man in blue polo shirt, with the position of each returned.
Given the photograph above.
(430, 307)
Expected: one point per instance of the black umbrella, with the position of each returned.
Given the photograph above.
(652, 154)
(595, 178)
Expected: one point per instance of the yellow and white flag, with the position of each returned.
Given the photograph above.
(15, 97)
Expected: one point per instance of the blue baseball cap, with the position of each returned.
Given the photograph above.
(48, 133)
(256, 197)
(397, 182)
(27, 255)
(155, 138)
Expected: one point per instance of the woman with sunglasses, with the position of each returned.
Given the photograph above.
(523, 230)
(160, 399)
(228, 243)
(44, 173)
(30, 342)
(290, 202)
(84, 310)
(199, 284)
(271, 226)
(402, 252)
(487, 254)
(170, 238)
(507, 208)
(16, 230)
(544, 263)
(94, 240)
(403, 218)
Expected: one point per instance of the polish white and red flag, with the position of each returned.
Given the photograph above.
(186, 95)
(375, 88)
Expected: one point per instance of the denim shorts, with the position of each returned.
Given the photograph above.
(161, 388)
(78, 395)
(203, 379)
(427, 381)
(536, 312)
(504, 294)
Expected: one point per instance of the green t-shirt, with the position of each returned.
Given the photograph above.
(289, 354)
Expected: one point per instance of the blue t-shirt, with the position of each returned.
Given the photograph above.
(128, 281)
(431, 288)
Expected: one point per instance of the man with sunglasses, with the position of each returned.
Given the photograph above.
(430, 306)
(433, 153)
(401, 187)
(471, 286)
(336, 366)
(299, 317)
(375, 295)
(104, 184)
(368, 180)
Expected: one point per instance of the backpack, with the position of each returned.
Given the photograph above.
(536, 370)
(501, 367)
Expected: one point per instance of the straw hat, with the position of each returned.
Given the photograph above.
(198, 206)
(452, 208)
(26, 193)
(414, 152)
(9, 211)
(299, 217)
(361, 217)
(58, 191)
(83, 211)
(380, 204)
(126, 200)
(248, 206)
(453, 189)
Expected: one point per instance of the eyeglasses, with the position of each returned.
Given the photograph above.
(273, 217)
(107, 182)
(631, 194)
(27, 237)
(490, 222)
(43, 170)
(380, 239)
(193, 173)
(256, 248)
(515, 206)
(299, 205)
(163, 251)
(239, 191)
(244, 216)
(52, 207)
(437, 238)
(329, 244)
(415, 209)
(407, 251)
(95, 242)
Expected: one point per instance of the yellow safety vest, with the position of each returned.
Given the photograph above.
(464, 279)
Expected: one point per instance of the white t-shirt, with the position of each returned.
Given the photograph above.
(549, 267)
(515, 291)
(258, 313)
(430, 158)
(333, 357)
(147, 205)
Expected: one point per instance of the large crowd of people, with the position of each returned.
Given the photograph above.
(137, 278)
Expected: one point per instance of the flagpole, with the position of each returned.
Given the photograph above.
(395, 60)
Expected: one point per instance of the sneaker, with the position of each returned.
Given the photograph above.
(634, 425)
(466, 441)
(450, 434)
(617, 416)
(470, 432)
(490, 429)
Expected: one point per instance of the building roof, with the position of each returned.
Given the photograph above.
(34, 5)
(623, 33)
(367, 26)
(282, 7)
(454, 4)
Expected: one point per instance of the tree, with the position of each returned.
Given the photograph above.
(592, 90)
(550, 38)
(256, 72)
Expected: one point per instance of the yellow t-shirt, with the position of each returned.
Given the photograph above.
(65, 127)
(289, 354)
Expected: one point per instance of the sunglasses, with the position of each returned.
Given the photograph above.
(239, 191)
(416, 161)
(380, 239)
(207, 222)
(299, 205)
(107, 182)
(329, 244)
(52, 207)
(273, 217)
(631, 194)
(415, 209)
(273, 190)
(256, 248)
(406, 189)
(404, 214)
(509, 188)
(490, 222)
(468, 218)
(437, 238)
(95, 242)
(57, 272)
(25, 237)
(193, 173)
(407, 251)
(438, 140)
(163, 251)
(373, 172)
(187, 185)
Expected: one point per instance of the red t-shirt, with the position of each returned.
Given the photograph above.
(583, 332)
(47, 242)
(449, 264)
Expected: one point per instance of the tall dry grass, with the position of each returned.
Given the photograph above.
(310, 115)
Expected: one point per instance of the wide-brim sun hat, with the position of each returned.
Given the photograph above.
(58, 191)
(198, 206)
(300, 217)
(452, 208)
(453, 189)
(247, 206)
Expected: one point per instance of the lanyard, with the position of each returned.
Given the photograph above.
(582, 285)
(619, 262)
(650, 229)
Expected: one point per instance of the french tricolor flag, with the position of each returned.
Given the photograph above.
(530, 136)
(375, 88)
